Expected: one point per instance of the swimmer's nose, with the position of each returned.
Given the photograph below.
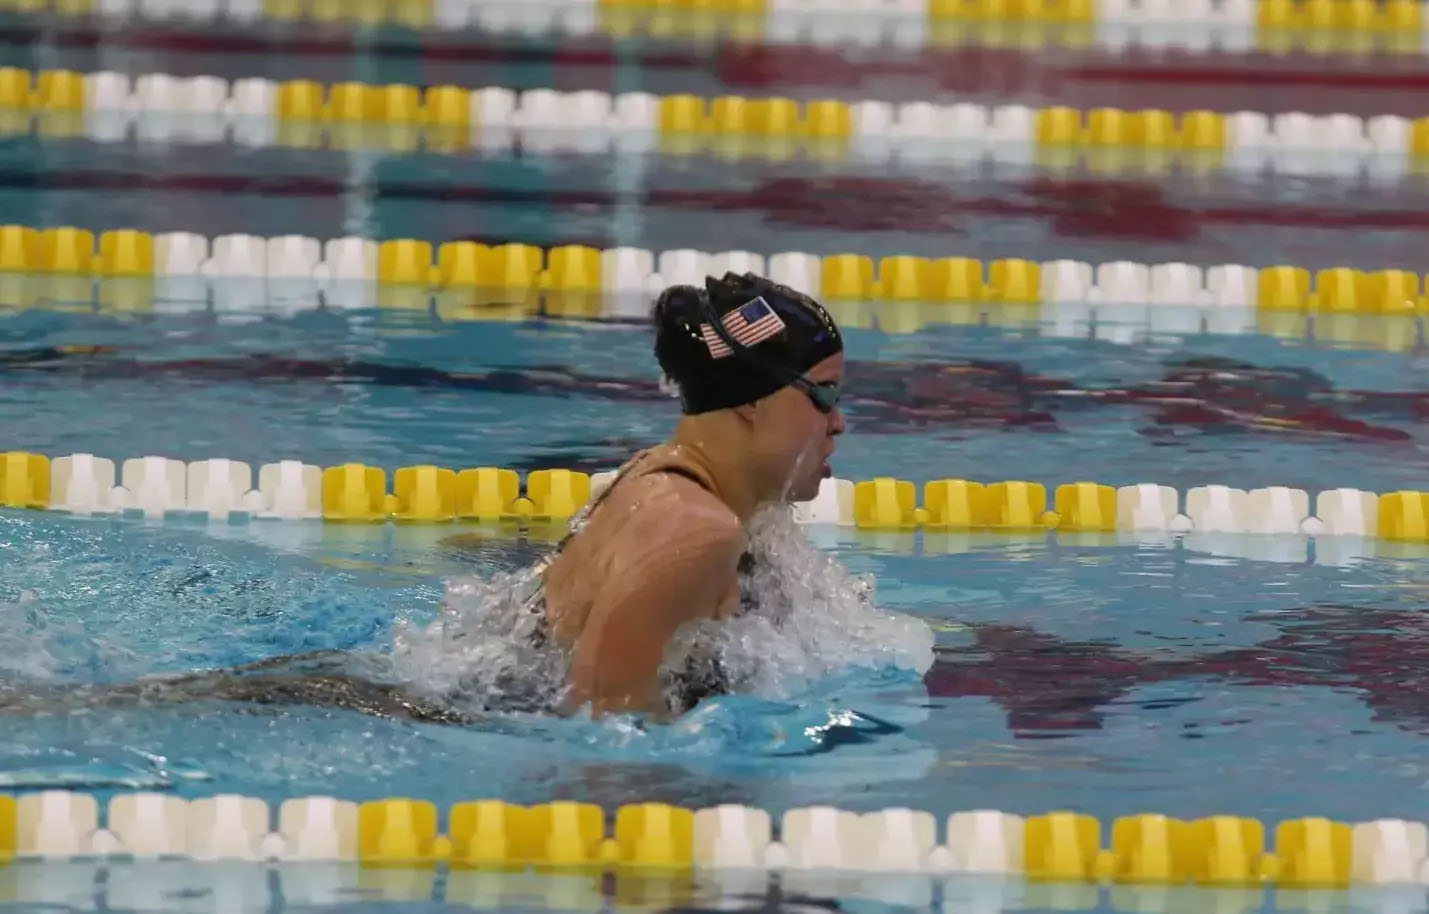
(837, 425)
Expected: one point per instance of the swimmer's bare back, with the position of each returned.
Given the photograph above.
(661, 549)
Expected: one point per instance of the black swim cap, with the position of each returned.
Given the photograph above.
(780, 334)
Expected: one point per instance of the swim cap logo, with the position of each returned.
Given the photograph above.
(748, 325)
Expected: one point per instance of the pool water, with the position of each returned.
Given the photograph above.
(1111, 676)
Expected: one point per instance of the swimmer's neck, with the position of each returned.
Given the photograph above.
(728, 470)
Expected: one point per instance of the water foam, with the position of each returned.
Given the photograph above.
(481, 651)
(809, 618)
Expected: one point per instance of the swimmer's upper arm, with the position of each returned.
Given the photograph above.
(673, 563)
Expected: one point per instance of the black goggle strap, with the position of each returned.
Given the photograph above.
(825, 395)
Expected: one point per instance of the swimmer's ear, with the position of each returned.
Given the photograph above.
(747, 412)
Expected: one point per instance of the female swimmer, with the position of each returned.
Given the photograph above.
(758, 367)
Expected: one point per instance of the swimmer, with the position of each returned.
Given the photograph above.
(758, 367)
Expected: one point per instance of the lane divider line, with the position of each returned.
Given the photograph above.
(1221, 850)
(1272, 523)
(512, 270)
(109, 106)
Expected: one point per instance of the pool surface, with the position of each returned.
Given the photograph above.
(1273, 677)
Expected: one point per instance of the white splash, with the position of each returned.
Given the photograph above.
(811, 618)
(485, 648)
(807, 617)
(25, 622)
(55, 645)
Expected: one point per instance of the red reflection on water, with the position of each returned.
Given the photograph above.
(1047, 684)
(1208, 394)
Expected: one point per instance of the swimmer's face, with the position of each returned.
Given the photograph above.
(795, 439)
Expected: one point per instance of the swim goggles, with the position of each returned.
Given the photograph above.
(823, 394)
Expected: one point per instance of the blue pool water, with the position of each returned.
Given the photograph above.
(1111, 677)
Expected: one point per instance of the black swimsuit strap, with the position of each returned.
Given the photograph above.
(685, 472)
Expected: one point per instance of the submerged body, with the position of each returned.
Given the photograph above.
(608, 540)
(324, 679)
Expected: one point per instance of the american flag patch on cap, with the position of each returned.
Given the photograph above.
(751, 323)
